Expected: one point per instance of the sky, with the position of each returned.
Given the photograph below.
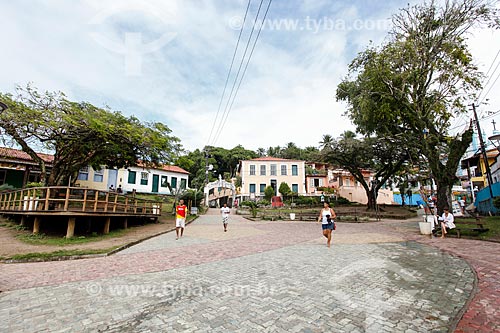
(168, 61)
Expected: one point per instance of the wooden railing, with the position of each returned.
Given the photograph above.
(75, 199)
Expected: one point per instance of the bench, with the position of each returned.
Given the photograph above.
(458, 221)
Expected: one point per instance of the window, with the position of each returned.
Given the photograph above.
(98, 175)
(252, 170)
(283, 170)
(164, 181)
(262, 170)
(252, 188)
(131, 177)
(295, 170)
(295, 188)
(3, 174)
(83, 174)
(183, 183)
(173, 182)
(144, 178)
(273, 170)
(262, 188)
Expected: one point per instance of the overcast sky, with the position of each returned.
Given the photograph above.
(168, 61)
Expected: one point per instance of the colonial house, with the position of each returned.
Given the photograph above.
(316, 177)
(258, 173)
(138, 178)
(17, 168)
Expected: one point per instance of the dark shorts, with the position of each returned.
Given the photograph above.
(327, 226)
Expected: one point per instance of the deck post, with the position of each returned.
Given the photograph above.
(36, 225)
(125, 223)
(106, 225)
(70, 232)
(23, 220)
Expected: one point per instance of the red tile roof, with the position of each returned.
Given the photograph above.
(21, 155)
(171, 168)
(269, 158)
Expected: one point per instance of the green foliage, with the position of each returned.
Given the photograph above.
(34, 184)
(6, 187)
(422, 77)
(189, 195)
(496, 202)
(248, 203)
(80, 134)
(269, 193)
(263, 202)
(326, 190)
(284, 189)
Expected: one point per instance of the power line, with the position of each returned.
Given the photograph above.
(229, 72)
(489, 77)
(219, 128)
(492, 85)
(246, 66)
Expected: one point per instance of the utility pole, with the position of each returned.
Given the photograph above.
(483, 152)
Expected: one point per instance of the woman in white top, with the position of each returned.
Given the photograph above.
(447, 221)
(326, 217)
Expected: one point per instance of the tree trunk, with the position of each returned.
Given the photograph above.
(372, 200)
(443, 196)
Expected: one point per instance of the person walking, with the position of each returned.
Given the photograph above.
(225, 210)
(447, 221)
(326, 217)
(180, 220)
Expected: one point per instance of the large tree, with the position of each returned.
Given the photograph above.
(413, 85)
(382, 156)
(80, 134)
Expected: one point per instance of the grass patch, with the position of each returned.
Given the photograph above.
(57, 254)
(490, 222)
(42, 239)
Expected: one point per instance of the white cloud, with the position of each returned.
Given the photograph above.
(288, 94)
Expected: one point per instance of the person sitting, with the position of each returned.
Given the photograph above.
(447, 221)
(119, 189)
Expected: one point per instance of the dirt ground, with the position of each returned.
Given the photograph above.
(10, 245)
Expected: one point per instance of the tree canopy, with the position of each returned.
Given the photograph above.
(382, 156)
(80, 134)
(413, 85)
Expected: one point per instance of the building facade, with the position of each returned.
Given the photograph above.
(17, 168)
(137, 178)
(258, 173)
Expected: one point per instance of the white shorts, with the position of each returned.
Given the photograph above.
(225, 219)
(180, 222)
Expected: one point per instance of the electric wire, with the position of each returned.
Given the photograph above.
(246, 66)
(229, 72)
(245, 69)
(219, 128)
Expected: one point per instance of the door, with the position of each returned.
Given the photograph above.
(156, 181)
(112, 177)
(274, 185)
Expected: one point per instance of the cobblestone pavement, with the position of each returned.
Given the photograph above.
(270, 277)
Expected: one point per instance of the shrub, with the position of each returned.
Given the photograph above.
(269, 193)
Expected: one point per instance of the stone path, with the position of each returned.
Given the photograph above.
(269, 277)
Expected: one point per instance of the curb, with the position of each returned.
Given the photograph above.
(90, 256)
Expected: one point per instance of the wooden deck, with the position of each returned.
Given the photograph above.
(73, 202)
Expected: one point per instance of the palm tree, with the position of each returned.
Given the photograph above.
(348, 135)
(327, 141)
(261, 152)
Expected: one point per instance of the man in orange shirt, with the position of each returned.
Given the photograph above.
(180, 221)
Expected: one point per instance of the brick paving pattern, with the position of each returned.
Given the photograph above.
(270, 277)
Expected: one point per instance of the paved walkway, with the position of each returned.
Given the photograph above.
(270, 277)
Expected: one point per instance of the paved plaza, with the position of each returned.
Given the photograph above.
(260, 277)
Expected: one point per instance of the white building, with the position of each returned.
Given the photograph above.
(140, 179)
